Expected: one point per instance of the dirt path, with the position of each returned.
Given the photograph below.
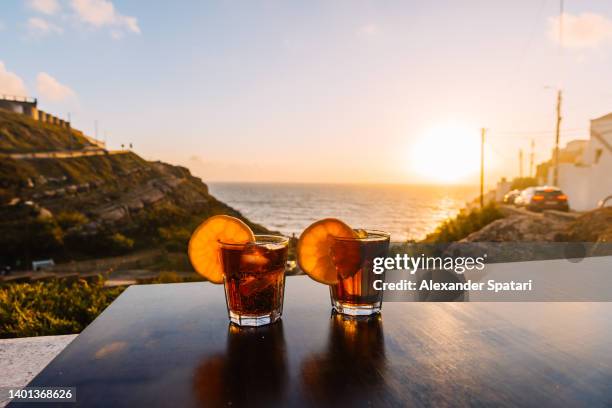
(62, 154)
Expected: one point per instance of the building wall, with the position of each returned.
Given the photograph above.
(28, 106)
(590, 179)
(575, 182)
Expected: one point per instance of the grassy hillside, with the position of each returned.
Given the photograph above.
(21, 134)
(96, 206)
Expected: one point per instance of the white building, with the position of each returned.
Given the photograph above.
(589, 178)
(502, 188)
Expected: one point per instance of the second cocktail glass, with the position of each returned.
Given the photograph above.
(354, 292)
(333, 253)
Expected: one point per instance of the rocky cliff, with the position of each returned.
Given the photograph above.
(551, 226)
(106, 204)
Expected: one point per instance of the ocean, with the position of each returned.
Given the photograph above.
(405, 211)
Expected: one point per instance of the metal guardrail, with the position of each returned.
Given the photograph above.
(17, 98)
(62, 154)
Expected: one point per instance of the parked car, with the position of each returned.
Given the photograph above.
(542, 198)
(511, 196)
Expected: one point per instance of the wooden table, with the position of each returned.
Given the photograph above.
(171, 345)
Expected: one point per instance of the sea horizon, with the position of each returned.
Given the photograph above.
(406, 211)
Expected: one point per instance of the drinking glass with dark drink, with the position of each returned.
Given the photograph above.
(223, 249)
(331, 252)
(354, 292)
(254, 279)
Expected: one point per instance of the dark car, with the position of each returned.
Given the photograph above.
(511, 196)
(542, 198)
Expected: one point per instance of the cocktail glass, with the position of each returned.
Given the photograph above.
(254, 279)
(354, 292)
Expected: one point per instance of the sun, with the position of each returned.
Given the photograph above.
(447, 154)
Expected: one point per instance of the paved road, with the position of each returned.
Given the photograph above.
(63, 154)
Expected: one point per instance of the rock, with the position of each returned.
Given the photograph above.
(91, 227)
(135, 205)
(519, 228)
(560, 215)
(594, 226)
(83, 187)
(112, 214)
(71, 189)
(44, 214)
(151, 196)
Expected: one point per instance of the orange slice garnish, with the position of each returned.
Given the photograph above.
(314, 249)
(204, 249)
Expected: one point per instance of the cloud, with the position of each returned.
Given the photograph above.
(40, 27)
(44, 6)
(586, 30)
(51, 89)
(102, 13)
(10, 83)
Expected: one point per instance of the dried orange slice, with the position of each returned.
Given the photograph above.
(204, 249)
(314, 249)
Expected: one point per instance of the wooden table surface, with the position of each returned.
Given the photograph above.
(172, 345)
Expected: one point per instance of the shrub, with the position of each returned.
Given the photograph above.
(455, 229)
(30, 238)
(168, 277)
(119, 243)
(52, 307)
(161, 216)
(70, 219)
(175, 239)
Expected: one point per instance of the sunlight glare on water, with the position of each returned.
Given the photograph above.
(407, 212)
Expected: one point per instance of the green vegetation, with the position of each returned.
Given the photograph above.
(22, 134)
(71, 219)
(53, 307)
(173, 277)
(464, 224)
(95, 206)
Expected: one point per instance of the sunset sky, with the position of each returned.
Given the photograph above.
(334, 91)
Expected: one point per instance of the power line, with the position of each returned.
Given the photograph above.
(521, 59)
(482, 142)
(534, 132)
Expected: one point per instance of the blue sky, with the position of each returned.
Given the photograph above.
(311, 91)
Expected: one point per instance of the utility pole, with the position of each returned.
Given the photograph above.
(557, 134)
(96, 128)
(559, 99)
(531, 158)
(520, 163)
(482, 142)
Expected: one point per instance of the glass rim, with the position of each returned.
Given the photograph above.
(373, 236)
(260, 240)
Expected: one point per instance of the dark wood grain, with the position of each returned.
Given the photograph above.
(172, 345)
